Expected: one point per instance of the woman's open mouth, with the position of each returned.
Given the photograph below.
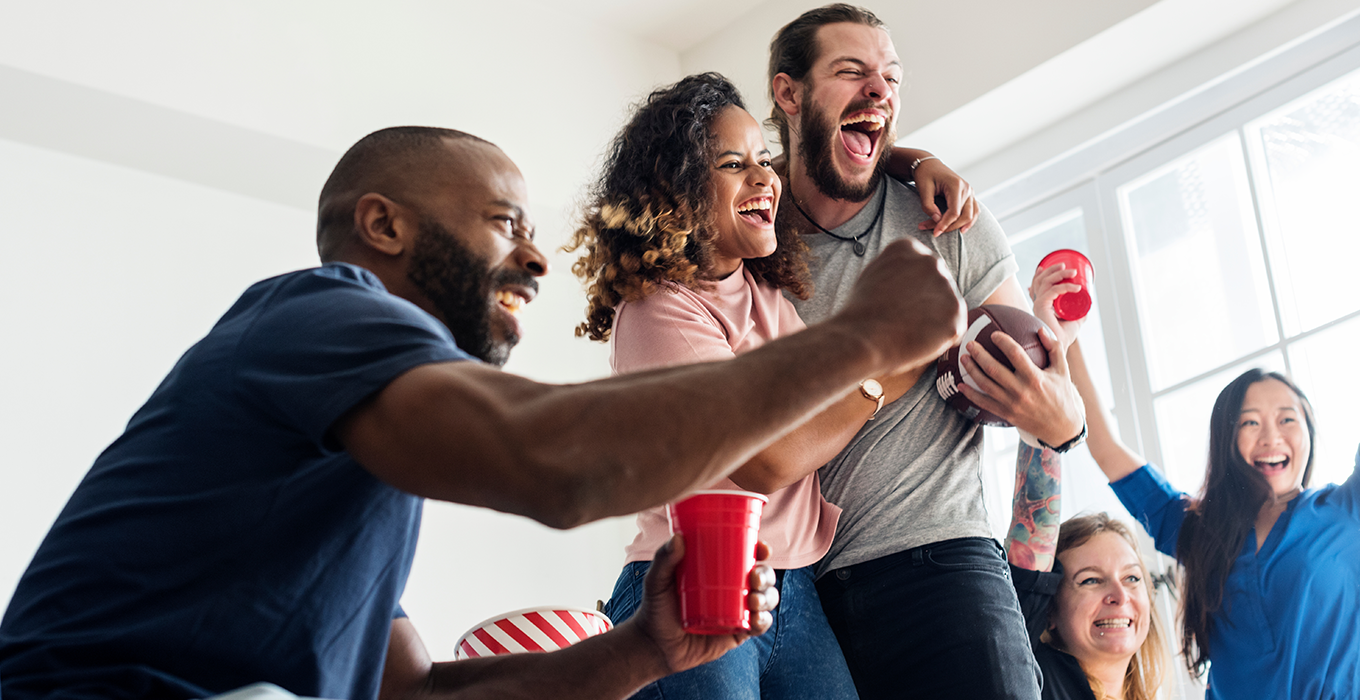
(1274, 464)
(757, 210)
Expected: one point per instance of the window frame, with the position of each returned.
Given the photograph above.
(1091, 176)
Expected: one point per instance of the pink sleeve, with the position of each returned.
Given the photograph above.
(666, 329)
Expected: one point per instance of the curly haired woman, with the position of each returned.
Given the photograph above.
(683, 265)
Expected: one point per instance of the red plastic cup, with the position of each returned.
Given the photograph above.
(1072, 306)
(721, 529)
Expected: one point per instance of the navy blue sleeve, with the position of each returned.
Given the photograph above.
(1158, 506)
(330, 341)
(1036, 590)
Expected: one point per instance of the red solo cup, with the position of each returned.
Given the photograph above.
(1072, 306)
(721, 529)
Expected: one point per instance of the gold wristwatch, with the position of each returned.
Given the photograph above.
(873, 391)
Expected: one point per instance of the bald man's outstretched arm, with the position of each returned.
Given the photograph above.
(569, 454)
(643, 648)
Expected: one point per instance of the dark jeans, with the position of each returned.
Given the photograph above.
(936, 621)
(796, 659)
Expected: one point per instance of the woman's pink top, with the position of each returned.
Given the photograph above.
(678, 326)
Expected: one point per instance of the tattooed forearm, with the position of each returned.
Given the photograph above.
(1035, 514)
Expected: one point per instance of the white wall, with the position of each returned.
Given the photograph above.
(158, 157)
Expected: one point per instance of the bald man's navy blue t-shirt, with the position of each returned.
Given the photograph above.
(225, 538)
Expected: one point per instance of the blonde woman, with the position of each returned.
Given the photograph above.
(1083, 588)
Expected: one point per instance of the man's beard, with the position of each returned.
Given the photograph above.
(462, 288)
(818, 137)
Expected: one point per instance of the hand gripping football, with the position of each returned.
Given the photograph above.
(982, 322)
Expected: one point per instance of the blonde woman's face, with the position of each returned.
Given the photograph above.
(1102, 610)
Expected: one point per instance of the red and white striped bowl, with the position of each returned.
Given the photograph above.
(533, 629)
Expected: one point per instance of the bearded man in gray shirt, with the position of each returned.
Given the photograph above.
(915, 587)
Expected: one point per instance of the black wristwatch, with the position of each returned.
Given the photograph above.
(1060, 449)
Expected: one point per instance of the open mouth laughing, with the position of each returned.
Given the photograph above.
(757, 211)
(511, 301)
(861, 131)
(1114, 623)
(1271, 465)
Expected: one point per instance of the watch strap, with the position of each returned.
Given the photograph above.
(1060, 449)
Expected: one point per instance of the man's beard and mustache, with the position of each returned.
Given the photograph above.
(463, 288)
(819, 134)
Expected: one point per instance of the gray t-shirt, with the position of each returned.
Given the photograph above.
(912, 475)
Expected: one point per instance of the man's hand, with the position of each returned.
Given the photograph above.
(933, 178)
(1048, 284)
(1043, 403)
(658, 617)
(904, 304)
(615, 664)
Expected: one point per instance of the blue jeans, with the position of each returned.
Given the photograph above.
(936, 621)
(797, 658)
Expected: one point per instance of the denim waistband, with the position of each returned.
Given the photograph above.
(916, 556)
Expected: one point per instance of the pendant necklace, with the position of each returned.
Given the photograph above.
(857, 240)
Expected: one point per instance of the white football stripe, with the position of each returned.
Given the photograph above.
(972, 334)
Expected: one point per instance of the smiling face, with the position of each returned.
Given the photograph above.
(473, 258)
(1102, 610)
(1272, 435)
(848, 110)
(743, 191)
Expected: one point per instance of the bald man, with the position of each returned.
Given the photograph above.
(257, 519)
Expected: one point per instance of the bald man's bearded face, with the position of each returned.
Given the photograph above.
(463, 289)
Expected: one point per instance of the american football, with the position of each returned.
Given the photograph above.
(982, 322)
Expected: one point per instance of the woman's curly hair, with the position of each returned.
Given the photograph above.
(648, 218)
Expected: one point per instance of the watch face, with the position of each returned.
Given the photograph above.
(871, 388)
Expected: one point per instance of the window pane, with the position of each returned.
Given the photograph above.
(1323, 369)
(1183, 422)
(1067, 231)
(1197, 265)
(1310, 151)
